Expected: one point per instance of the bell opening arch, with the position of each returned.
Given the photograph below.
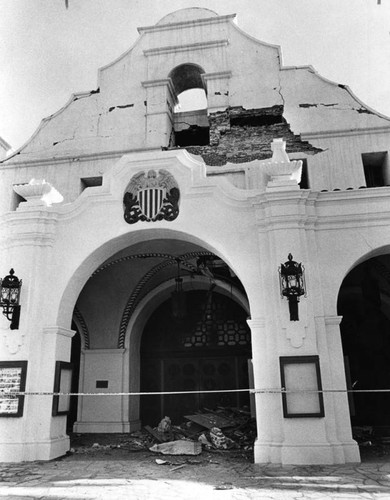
(191, 123)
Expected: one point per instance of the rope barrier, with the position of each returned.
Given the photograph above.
(5, 394)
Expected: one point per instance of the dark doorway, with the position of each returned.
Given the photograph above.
(75, 360)
(208, 350)
(364, 303)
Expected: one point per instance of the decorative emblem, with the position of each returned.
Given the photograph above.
(151, 196)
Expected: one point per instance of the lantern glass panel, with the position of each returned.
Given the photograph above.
(293, 281)
(14, 294)
(4, 294)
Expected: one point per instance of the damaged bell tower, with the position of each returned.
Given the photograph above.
(154, 235)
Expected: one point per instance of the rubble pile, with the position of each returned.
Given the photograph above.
(221, 429)
(217, 430)
(373, 441)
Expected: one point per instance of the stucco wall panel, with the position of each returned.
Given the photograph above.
(314, 104)
(341, 166)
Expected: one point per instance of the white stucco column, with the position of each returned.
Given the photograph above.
(159, 106)
(27, 242)
(217, 85)
(266, 380)
(298, 354)
(50, 435)
(334, 377)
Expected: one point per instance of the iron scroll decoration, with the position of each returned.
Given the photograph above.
(151, 196)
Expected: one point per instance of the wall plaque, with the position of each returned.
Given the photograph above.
(12, 381)
(62, 384)
(301, 381)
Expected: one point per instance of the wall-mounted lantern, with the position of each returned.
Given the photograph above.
(292, 284)
(9, 298)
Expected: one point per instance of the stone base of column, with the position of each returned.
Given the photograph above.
(40, 450)
(306, 454)
(106, 427)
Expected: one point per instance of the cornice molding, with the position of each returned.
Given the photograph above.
(58, 330)
(185, 47)
(186, 24)
(326, 134)
(72, 158)
(333, 320)
(256, 323)
(216, 76)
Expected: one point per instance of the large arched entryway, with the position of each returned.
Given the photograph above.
(364, 304)
(207, 349)
(137, 337)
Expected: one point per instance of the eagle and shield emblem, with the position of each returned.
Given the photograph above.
(151, 196)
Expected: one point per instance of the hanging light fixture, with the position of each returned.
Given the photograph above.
(178, 298)
(292, 284)
(9, 298)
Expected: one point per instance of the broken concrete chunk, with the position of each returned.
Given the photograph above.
(179, 447)
(161, 462)
(218, 439)
(203, 440)
(165, 425)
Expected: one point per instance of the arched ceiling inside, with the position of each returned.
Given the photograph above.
(123, 280)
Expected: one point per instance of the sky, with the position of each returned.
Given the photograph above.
(48, 51)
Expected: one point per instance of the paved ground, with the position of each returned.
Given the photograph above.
(112, 473)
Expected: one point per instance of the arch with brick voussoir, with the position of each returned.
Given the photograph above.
(95, 259)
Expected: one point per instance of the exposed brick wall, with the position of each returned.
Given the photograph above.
(238, 135)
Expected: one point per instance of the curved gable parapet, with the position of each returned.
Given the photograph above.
(186, 15)
(133, 107)
(315, 104)
(255, 40)
(31, 144)
(50, 134)
(178, 20)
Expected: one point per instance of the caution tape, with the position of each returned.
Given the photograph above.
(172, 393)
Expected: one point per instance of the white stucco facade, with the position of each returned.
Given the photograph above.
(240, 212)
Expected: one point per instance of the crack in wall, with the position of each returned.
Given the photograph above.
(309, 105)
(279, 88)
(120, 106)
(336, 107)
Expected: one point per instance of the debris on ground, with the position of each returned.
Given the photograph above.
(224, 486)
(221, 430)
(373, 441)
(161, 462)
(218, 439)
(203, 440)
(179, 447)
(165, 425)
(177, 467)
(210, 420)
(363, 435)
